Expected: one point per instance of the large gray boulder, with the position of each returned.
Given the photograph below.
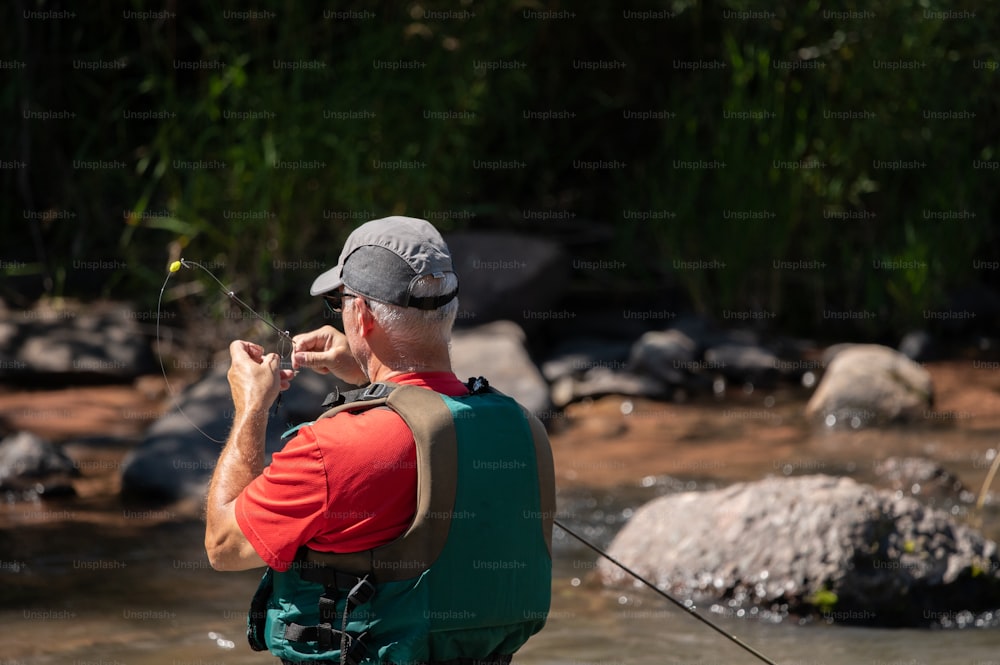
(176, 457)
(99, 341)
(811, 546)
(497, 352)
(870, 385)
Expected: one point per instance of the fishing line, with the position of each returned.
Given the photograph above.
(283, 335)
(690, 610)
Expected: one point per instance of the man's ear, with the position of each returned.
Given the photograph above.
(365, 317)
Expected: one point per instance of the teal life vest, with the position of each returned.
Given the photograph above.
(471, 576)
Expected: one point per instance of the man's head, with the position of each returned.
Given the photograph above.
(383, 259)
(401, 270)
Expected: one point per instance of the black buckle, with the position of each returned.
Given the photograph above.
(356, 652)
(477, 385)
(374, 391)
(327, 608)
(324, 636)
(360, 594)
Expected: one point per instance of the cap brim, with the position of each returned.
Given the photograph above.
(327, 282)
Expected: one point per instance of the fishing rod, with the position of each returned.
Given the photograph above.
(690, 610)
(176, 265)
(282, 334)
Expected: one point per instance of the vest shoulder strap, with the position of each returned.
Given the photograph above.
(430, 420)
(370, 397)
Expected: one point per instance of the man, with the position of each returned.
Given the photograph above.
(412, 525)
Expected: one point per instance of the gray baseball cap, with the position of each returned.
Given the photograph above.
(383, 258)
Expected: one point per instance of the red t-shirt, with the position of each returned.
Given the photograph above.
(342, 484)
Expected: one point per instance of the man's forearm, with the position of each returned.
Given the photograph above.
(241, 460)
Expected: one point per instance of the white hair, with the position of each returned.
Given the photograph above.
(411, 330)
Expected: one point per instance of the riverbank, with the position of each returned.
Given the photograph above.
(602, 444)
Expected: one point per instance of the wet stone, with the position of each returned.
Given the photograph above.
(31, 466)
(867, 385)
(821, 547)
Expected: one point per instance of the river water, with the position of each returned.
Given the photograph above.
(93, 581)
(97, 594)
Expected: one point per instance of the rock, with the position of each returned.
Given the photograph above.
(602, 381)
(575, 357)
(95, 342)
(496, 351)
(667, 355)
(811, 546)
(31, 466)
(591, 367)
(175, 460)
(867, 385)
(833, 351)
(743, 363)
(506, 276)
(918, 346)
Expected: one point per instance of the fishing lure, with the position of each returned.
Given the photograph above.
(285, 343)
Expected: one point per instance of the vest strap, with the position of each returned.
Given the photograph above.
(312, 570)
(328, 638)
(369, 397)
(352, 648)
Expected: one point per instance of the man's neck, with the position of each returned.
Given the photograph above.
(378, 371)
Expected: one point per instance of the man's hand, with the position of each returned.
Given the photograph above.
(255, 378)
(326, 351)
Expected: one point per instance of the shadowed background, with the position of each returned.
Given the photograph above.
(798, 159)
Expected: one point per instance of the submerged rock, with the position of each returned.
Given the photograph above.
(870, 385)
(31, 466)
(811, 546)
